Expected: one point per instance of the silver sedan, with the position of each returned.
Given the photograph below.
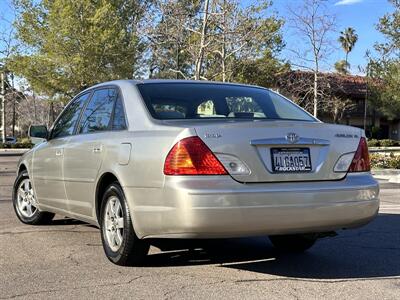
(181, 159)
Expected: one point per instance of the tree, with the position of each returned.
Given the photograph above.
(342, 67)
(209, 39)
(313, 24)
(348, 39)
(264, 71)
(71, 45)
(179, 36)
(299, 86)
(385, 69)
(338, 106)
(8, 47)
(168, 37)
(184, 28)
(244, 34)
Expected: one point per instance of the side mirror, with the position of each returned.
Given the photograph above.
(38, 133)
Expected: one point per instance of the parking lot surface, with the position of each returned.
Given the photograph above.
(66, 259)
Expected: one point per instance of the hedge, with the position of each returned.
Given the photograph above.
(380, 161)
(16, 145)
(383, 143)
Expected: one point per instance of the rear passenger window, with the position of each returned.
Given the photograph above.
(66, 123)
(97, 115)
(119, 122)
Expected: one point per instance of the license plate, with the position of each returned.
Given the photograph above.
(288, 160)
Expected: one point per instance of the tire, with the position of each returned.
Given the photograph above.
(120, 243)
(24, 202)
(294, 243)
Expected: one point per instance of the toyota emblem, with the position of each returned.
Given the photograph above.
(292, 138)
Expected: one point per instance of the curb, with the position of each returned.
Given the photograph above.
(385, 172)
(391, 148)
(395, 179)
(392, 175)
(13, 152)
(382, 177)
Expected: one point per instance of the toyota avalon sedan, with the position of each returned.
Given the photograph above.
(182, 159)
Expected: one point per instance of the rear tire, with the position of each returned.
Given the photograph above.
(294, 243)
(120, 243)
(24, 202)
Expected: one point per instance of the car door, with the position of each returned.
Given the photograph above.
(84, 153)
(47, 171)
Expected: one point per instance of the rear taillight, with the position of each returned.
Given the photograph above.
(190, 156)
(360, 161)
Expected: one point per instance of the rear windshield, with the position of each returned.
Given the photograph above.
(202, 100)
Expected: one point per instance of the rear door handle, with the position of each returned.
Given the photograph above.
(59, 152)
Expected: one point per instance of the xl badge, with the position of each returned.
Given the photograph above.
(292, 138)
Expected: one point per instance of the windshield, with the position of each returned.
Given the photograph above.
(203, 100)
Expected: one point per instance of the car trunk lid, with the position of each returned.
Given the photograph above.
(258, 143)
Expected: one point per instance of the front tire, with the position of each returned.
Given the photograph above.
(294, 243)
(24, 202)
(120, 243)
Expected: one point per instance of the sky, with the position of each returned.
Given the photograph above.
(362, 15)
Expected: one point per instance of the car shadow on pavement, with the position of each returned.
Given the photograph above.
(68, 221)
(372, 251)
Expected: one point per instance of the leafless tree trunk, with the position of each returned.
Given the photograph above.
(3, 106)
(315, 103)
(223, 48)
(8, 47)
(203, 43)
(14, 103)
(34, 107)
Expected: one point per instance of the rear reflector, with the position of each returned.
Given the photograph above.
(361, 161)
(190, 156)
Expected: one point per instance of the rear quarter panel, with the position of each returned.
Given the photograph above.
(150, 141)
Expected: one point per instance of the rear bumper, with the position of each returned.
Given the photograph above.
(218, 206)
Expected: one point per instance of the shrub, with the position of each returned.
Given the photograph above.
(16, 145)
(383, 143)
(394, 162)
(380, 161)
(373, 143)
(24, 140)
(388, 143)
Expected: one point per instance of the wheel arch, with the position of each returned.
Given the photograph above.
(104, 181)
(22, 167)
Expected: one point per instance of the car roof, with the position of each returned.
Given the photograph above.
(150, 81)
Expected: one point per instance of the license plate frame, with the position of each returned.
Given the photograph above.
(291, 165)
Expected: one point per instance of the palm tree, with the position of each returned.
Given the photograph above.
(348, 39)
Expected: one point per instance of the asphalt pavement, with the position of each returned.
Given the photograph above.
(66, 260)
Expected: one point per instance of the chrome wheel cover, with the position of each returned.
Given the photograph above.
(113, 223)
(26, 202)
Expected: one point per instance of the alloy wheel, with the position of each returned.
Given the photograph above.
(26, 202)
(114, 223)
